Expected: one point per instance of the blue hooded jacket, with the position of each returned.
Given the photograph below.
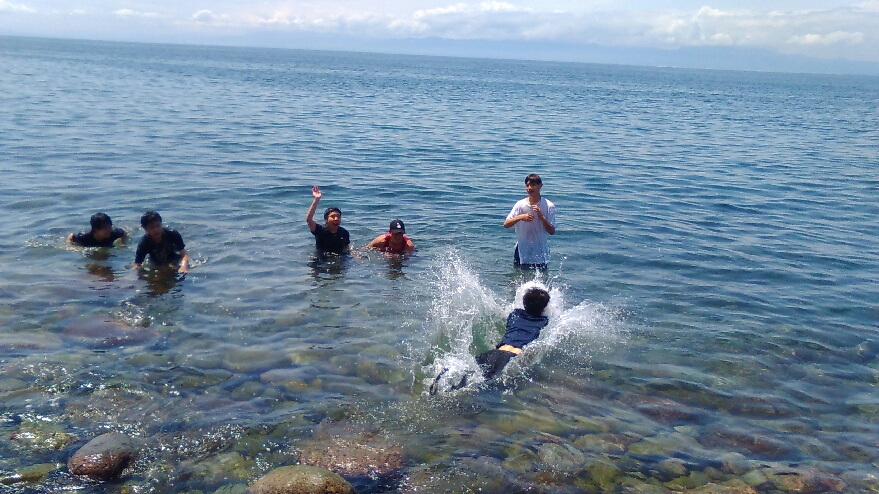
(523, 328)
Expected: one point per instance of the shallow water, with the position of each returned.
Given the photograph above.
(713, 275)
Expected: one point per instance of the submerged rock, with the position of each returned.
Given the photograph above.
(604, 474)
(603, 443)
(561, 457)
(39, 437)
(104, 457)
(100, 332)
(754, 442)
(216, 469)
(32, 473)
(301, 479)
(804, 481)
(735, 486)
(672, 467)
(352, 452)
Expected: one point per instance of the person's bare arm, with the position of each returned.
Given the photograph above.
(509, 222)
(546, 224)
(184, 262)
(376, 242)
(309, 217)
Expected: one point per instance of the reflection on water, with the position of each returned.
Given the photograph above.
(98, 254)
(328, 267)
(161, 280)
(102, 271)
(395, 265)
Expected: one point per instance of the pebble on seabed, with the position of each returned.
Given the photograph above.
(104, 457)
(301, 479)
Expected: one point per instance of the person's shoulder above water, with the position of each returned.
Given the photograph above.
(524, 325)
(102, 233)
(162, 245)
(329, 237)
(394, 241)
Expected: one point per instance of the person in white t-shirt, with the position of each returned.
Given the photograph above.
(534, 219)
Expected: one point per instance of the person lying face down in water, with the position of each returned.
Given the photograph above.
(523, 327)
(393, 242)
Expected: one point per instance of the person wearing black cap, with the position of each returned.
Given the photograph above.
(393, 242)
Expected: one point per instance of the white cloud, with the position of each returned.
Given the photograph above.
(15, 7)
(869, 6)
(828, 39)
(203, 16)
(132, 13)
(497, 7)
(787, 26)
(451, 9)
(831, 32)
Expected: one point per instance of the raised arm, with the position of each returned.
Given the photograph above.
(309, 217)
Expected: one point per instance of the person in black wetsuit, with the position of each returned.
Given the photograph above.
(102, 233)
(330, 237)
(523, 327)
(163, 245)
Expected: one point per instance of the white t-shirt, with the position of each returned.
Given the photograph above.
(531, 237)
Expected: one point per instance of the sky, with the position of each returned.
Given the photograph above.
(822, 33)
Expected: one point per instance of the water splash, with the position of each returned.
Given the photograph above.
(466, 318)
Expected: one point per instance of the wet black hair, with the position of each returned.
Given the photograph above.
(100, 220)
(330, 210)
(533, 179)
(150, 217)
(535, 300)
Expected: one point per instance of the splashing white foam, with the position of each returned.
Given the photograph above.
(463, 310)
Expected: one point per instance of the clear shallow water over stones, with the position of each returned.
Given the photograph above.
(713, 277)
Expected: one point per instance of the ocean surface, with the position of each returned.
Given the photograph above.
(714, 274)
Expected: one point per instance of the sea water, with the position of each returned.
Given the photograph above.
(713, 274)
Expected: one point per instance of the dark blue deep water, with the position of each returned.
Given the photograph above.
(714, 273)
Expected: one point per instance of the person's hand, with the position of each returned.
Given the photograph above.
(536, 209)
(526, 217)
(315, 191)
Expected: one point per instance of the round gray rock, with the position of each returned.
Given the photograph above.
(301, 479)
(104, 457)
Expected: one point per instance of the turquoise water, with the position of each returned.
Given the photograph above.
(714, 273)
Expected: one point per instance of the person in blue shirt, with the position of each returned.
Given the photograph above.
(523, 327)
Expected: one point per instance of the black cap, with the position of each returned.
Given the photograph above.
(397, 226)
